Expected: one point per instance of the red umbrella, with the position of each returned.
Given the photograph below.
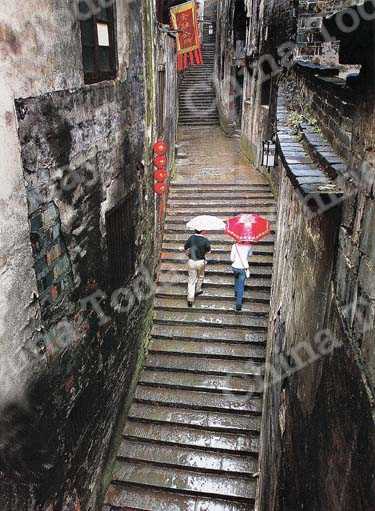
(248, 228)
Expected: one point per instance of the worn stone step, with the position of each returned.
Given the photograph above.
(257, 268)
(193, 203)
(208, 349)
(215, 421)
(215, 239)
(185, 436)
(262, 282)
(180, 304)
(181, 229)
(215, 258)
(219, 401)
(214, 319)
(252, 295)
(199, 123)
(184, 457)
(204, 383)
(196, 193)
(206, 106)
(203, 334)
(183, 480)
(140, 498)
(204, 198)
(220, 186)
(219, 249)
(179, 215)
(248, 368)
(198, 117)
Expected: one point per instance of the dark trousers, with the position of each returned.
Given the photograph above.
(239, 285)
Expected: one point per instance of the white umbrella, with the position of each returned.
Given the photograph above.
(205, 223)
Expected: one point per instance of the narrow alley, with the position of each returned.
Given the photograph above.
(192, 438)
(187, 255)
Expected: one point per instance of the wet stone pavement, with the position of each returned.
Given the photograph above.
(191, 441)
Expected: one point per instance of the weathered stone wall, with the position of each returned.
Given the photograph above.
(70, 154)
(318, 92)
(318, 432)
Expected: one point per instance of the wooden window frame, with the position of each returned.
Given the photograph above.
(97, 76)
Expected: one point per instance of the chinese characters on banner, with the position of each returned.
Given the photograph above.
(184, 18)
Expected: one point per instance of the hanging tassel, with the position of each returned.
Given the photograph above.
(180, 62)
(192, 61)
(200, 56)
(196, 56)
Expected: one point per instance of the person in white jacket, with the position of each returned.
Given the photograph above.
(240, 263)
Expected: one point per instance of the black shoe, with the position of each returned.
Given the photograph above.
(238, 308)
(198, 294)
(190, 304)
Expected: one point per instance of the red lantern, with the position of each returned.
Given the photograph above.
(160, 188)
(160, 161)
(160, 175)
(160, 147)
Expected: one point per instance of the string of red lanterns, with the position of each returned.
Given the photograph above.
(160, 149)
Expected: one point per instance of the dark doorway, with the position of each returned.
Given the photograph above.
(120, 223)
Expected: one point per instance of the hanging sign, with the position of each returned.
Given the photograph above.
(184, 19)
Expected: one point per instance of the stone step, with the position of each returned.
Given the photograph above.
(209, 366)
(181, 228)
(213, 421)
(198, 116)
(175, 203)
(262, 283)
(185, 196)
(208, 348)
(230, 187)
(215, 238)
(184, 457)
(209, 305)
(210, 318)
(220, 294)
(139, 498)
(184, 215)
(257, 268)
(180, 480)
(202, 111)
(202, 334)
(204, 106)
(244, 406)
(202, 400)
(215, 259)
(198, 123)
(220, 249)
(204, 383)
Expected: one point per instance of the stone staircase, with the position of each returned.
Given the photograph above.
(197, 95)
(192, 437)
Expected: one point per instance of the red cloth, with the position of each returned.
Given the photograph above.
(184, 18)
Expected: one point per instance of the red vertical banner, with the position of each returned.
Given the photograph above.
(184, 19)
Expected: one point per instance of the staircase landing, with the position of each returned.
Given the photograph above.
(192, 437)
